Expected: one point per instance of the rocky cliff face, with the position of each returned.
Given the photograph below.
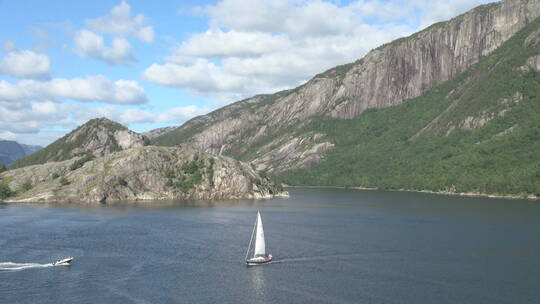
(143, 173)
(409, 67)
(100, 137)
(266, 129)
(476, 134)
(97, 137)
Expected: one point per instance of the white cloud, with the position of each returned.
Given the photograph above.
(33, 116)
(9, 46)
(32, 121)
(261, 46)
(25, 64)
(273, 45)
(216, 43)
(440, 10)
(6, 135)
(298, 18)
(247, 69)
(90, 42)
(202, 76)
(120, 23)
(175, 115)
(146, 34)
(92, 88)
(92, 45)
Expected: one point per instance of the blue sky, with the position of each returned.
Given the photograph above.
(149, 64)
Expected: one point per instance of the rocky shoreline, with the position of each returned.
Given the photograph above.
(139, 174)
(465, 194)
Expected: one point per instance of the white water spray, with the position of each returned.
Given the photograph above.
(11, 266)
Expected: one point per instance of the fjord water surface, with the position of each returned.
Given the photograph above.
(330, 246)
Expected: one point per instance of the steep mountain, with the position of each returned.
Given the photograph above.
(478, 133)
(141, 173)
(95, 138)
(10, 151)
(265, 129)
(158, 132)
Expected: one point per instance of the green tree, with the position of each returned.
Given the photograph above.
(80, 162)
(26, 186)
(122, 181)
(5, 191)
(64, 181)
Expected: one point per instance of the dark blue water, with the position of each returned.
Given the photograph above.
(331, 246)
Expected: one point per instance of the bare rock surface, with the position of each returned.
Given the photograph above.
(96, 137)
(140, 173)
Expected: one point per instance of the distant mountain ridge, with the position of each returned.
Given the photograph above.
(97, 137)
(10, 151)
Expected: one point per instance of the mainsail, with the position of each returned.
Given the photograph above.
(260, 249)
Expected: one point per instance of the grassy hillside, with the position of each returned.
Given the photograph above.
(479, 132)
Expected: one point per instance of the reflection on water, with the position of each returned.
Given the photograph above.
(257, 278)
(184, 204)
(129, 205)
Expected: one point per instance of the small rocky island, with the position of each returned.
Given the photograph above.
(139, 173)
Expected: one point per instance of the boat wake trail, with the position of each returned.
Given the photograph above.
(10, 266)
(316, 258)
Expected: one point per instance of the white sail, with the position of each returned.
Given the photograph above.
(260, 249)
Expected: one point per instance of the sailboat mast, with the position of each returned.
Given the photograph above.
(251, 239)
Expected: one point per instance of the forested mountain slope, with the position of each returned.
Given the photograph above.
(479, 132)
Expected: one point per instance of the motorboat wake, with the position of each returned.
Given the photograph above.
(12, 266)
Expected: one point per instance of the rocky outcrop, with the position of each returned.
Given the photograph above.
(97, 137)
(387, 76)
(293, 152)
(143, 173)
(101, 136)
(533, 62)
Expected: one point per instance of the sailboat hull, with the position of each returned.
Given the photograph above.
(259, 261)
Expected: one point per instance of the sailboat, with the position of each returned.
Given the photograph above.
(259, 253)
